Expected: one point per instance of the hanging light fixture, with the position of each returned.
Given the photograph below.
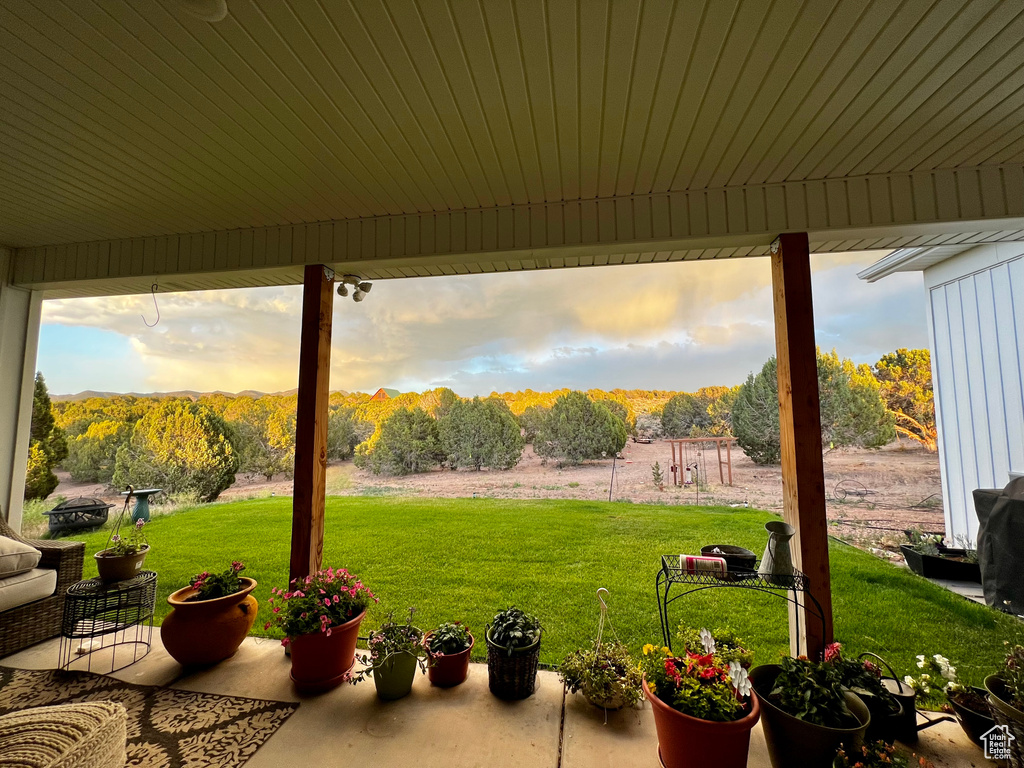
(360, 287)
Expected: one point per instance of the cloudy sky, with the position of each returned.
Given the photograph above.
(660, 326)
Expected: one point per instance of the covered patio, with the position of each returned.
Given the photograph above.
(176, 148)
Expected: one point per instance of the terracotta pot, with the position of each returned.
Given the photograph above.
(120, 567)
(689, 742)
(393, 679)
(795, 743)
(449, 669)
(321, 662)
(203, 632)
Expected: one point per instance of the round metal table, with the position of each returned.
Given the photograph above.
(112, 619)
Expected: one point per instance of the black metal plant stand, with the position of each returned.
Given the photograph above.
(788, 588)
(115, 617)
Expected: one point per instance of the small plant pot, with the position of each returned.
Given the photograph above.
(113, 567)
(740, 563)
(943, 566)
(975, 722)
(512, 676)
(603, 702)
(689, 742)
(393, 678)
(320, 661)
(447, 670)
(795, 743)
(204, 632)
(1005, 714)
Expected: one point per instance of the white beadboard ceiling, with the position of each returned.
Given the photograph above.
(123, 120)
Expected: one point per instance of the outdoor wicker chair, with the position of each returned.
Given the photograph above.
(28, 624)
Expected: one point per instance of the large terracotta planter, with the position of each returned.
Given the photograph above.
(393, 679)
(795, 743)
(321, 662)
(449, 669)
(1005, 714)
(689, 742)
(203, 632)
(120, 567)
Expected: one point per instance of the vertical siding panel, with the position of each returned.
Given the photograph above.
(993, 202)
(273, 245)
(718, 216)
(775, 204)
(983, 358)
(245, 247)
(902, 199)
(538, 226)
(1013, 183)
(259, 247)
(555, 225)
(326, 243)
(233, 255)
(442, 233)
(967, 470)
(947, 414)
(488, 230)
(382, 246)
(624, 218)
(837, 203)
(969, 193)
(661, 217)
(697, 213)
(679, 215)
(397, 235)
(506, 229)
(573, 227)
(755, 202)
(588, 221)
(474, 233)
(946, 194)
(925, 208)
(1011, 331)
(458, 237)
(643, 228)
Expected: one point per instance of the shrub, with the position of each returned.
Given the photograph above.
(39, 478)
(179, 446)
(578, 429)
(478, 433)
(408, 442)
(531, 420)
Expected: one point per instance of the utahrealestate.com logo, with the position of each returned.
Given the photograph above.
(997, 742)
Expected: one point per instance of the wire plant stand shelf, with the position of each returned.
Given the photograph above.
(103, 618)
(674, 577)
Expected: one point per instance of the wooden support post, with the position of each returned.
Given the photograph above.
(718, 447)
(311, 422)
(728, 456)
(803, 474)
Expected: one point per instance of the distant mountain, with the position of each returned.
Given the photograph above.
(180, 393)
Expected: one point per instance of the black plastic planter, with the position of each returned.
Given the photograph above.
(942, 567)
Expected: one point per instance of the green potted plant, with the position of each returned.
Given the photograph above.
(937, 686)
(605, 674)
(210, 617)
(125, 552)
(807, 713)
(449, 647)
(1006, 701)
(513, 652)
(864, 678)
(703, 707)
(395, 652)
(728, 645)
(320, 616)
(926, 555)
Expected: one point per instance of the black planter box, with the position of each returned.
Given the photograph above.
(932, 567)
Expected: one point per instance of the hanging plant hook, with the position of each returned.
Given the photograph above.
(152, 291)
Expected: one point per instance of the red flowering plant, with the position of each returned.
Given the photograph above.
(701, 685)
(318, 603)
(209, 586)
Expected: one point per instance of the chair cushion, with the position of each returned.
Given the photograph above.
(87, 735)
(17, 557)
(27, 587)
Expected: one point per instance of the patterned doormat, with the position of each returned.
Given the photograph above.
(167, 728)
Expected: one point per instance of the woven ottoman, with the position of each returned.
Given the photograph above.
(87, 735)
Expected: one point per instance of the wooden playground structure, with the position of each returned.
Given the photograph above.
(688, 460)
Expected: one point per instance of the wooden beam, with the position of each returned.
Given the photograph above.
(803, 474)
(311, 421)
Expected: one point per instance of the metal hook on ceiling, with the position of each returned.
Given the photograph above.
(152, 291)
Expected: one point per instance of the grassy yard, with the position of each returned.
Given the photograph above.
(466, 558)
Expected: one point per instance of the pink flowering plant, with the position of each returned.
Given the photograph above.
(131, 542)
(391, 639)
(210, 586)
(698, 684)
(318, 603)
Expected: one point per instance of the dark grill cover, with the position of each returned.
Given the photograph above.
(1000, 555)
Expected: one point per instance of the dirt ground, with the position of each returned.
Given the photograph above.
(872, 495)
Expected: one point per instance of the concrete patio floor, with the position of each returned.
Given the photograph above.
(462, 726)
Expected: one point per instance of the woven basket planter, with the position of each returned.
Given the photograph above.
(512, 676)
(1006, 715)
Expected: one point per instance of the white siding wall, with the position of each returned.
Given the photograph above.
(976, 323)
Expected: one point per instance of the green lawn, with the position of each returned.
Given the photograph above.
(463, 559)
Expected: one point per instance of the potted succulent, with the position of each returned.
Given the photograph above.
(210, 617)
(728, 645)
(703, 707)
(937, 686)
(125, 552)
(395, 652)
(320, 616)
(927, 556)
(807, 713)
(449, 647)
(605, 674)
(1006, 701)
(513, 652)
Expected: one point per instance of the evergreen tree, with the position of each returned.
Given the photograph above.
(407, 442)
(480, 433)
(905, 379)
(578, 429)
(47, 444)
(180, 446)
(531, 420)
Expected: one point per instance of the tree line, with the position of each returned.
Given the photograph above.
(198, 446)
